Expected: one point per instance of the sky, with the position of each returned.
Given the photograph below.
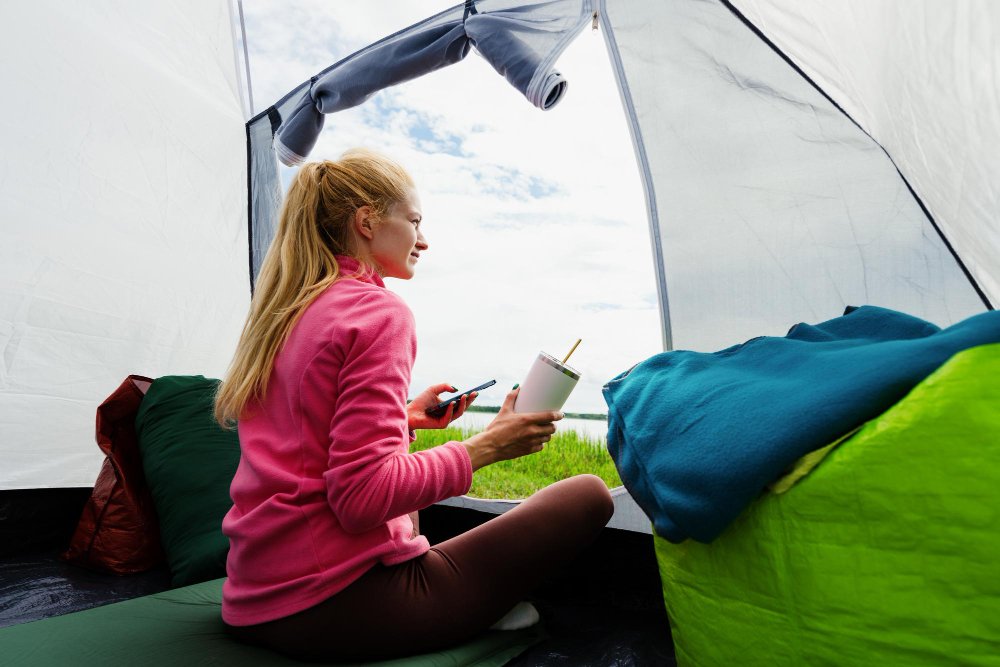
(535, 220)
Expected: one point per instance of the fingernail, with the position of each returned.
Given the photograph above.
(453, 388)
(515, 387)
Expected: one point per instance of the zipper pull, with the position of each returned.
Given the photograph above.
(593, 25)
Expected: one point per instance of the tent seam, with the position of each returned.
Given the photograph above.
(791, 63)
(250, 257)
(647, 177)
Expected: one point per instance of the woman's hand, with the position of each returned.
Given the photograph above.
(511, 435)
(417, 417)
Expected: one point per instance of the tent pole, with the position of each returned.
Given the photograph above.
(647, 179)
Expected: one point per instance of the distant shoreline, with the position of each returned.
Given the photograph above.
(597, 416)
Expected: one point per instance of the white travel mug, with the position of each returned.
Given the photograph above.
(547, 386)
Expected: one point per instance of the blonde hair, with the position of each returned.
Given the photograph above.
(315, 225)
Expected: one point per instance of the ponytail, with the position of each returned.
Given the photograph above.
(315, 225)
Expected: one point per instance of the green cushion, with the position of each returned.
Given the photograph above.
(885, 554)
(184, 627)
(189, 462)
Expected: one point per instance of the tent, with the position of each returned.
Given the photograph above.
(124, 216)
(793, 173)
(795, 157)
(798, 158)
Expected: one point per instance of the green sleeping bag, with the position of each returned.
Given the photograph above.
(184, 627)
(887, 553)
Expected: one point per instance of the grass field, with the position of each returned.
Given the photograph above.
(567, 454)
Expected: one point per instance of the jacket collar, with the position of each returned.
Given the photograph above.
(350, 267)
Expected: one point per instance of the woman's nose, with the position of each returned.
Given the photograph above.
(421, 241)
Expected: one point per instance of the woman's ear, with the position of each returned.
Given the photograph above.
(364, 221)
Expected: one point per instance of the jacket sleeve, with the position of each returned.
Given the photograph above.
(371, 476)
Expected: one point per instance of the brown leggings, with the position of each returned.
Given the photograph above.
(451, 593)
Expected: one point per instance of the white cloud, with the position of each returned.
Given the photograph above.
(536, 220)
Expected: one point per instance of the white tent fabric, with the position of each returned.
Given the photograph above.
(922, 78)
(123, 204)
(124, 182)
(768, 206)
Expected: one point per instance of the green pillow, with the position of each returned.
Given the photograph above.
(189, 462)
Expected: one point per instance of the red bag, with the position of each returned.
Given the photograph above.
(118, 530)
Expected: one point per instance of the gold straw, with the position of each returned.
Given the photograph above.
(566, 358)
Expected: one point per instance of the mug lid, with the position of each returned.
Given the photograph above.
(558, 365)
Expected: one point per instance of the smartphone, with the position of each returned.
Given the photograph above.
(439, 409)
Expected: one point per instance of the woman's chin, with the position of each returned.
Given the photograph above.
(403, 274)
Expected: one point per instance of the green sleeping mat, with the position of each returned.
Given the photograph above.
(184, 627)
(886, 553)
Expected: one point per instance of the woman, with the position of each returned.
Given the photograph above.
(325, 562)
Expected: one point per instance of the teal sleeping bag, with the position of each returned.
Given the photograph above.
(697, 436)
(887, 552)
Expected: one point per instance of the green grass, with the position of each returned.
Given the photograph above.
(568, 453)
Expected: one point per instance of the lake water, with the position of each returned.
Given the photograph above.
(594, 428)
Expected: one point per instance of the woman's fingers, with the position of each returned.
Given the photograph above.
(508, 401)
(435, 390)
(542, 430)
(521, 434)
(460, 407)
(543, 417)
(538, 442)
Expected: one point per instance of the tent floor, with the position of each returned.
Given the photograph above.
(36, 585)
(606, 610)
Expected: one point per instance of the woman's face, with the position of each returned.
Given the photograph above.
(396, 241)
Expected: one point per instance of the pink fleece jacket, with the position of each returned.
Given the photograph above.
(326, 480)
